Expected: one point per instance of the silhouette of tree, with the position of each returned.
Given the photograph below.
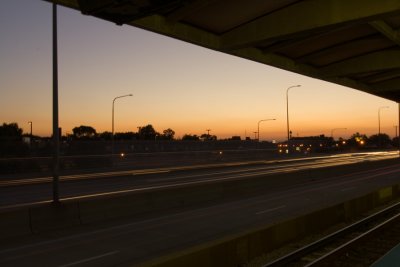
(147, 132)
(189, 137)
(357, 140)
(10, 131)
(168, 134)
(125, 136)
(11, 143)
(105, 135)
(208, 137)
(395, 142)
(380, 140)
(84, 132)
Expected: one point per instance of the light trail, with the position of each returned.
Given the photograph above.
(287, 166)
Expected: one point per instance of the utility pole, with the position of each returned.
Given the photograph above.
(56, 138)
(31, 135)
(208, 133)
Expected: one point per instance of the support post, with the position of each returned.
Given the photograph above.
(56, 141)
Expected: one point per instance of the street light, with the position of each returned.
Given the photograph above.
(336, 129)
(30, 140)
(112, 133)
(287, 113)
(56, 138)
(399, 126)
(379, 119)
(258, 127)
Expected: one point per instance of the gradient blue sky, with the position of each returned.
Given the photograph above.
(175, 85)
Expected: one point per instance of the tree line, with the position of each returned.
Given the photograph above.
(144, 133)
(11, 133)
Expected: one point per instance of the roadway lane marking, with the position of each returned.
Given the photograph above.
(270, 210)
(90, 259)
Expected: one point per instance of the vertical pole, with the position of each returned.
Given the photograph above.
(399, 129)
(379, 122)
(56, 142)
(112, 132)
(287, 119)
(31, 136)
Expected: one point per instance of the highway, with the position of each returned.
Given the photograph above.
(146, 237)
(32, 190)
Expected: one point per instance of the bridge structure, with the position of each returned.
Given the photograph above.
(354, 43)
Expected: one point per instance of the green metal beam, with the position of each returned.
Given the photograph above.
(386, 30)
(387, 75)
(67, 3)
(378, 61)
(160, 24)
(307, 17)
(389, 85)
(189, 8)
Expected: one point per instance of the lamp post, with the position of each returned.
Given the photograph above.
(336, 129)
(30, 140)
(287, 113)
(379, 119)
(56, 136)
(112, 132)
(399, 126)
(258, 127)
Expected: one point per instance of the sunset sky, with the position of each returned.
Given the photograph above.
(174, 84)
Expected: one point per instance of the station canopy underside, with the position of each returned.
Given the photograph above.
(355, 43)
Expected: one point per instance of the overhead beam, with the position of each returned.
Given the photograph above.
(188, 9)
(307, 17)
(352, 45)
(386, 30)
(67, 3)
(390, 85)
(293, 42)
(187, 33)
(378, 61)
(387, 75)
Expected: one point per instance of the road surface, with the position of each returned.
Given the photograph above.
(145, 238)
(31, 190)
